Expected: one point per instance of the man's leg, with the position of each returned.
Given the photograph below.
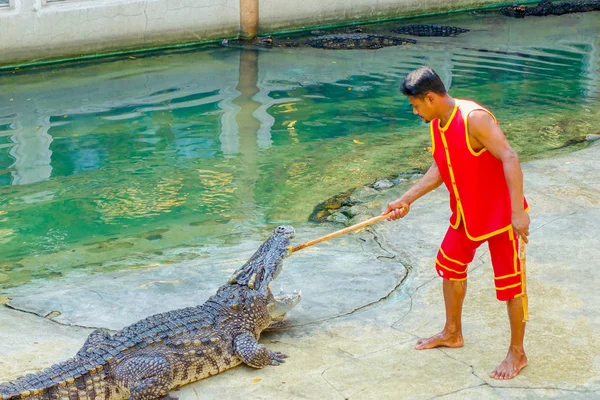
(451, 336)
(504, 251)
(451, 263)
(516, 359)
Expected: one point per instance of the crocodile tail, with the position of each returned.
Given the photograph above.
(9, 391)
(59, 381)
(16, 390)
(30, 387)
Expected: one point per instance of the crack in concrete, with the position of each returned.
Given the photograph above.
(543, 388)
(11, 307)
(376, 239)
(331, 385)
(361, 243)
(507, 387)
(457, 391)
(559, 200)
(364, 307)
(367, 306)
(97, 293)
(557, 219)
(465, 363)
(196, 393)
(480, 261)
(356, 358)
(410, 296)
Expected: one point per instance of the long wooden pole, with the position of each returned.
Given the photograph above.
(523, 260)
(340, 232)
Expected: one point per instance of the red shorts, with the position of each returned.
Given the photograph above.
(457, 251)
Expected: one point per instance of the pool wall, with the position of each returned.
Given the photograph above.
(39, 30)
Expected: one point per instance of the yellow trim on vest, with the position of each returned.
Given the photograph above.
(450, 259)
(457, 280)
(453, 181)
(450, 119)
(459, 208)
(450, 269)
(466, 118)
(457, 223)
(487, 235)
(432, 139)
(508, 287)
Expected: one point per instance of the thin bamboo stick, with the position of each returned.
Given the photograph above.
(340, 232)
(523, 260)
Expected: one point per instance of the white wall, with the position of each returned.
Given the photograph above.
(31, 30)
(299, 13)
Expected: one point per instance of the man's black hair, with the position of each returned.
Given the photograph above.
(420, 81)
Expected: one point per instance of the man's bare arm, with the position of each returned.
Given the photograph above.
(486, 133)
(400, 207)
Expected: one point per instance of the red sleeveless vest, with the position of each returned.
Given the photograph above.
(479, 195)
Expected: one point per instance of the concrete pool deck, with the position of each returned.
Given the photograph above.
(367, 298)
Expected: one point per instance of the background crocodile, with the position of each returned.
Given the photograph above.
(430, 30)
(146, 360)
(354, 40)
(351, 38)
(349, 41)
(546, 7)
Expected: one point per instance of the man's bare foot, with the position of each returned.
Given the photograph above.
(514, 362)
(442, 339)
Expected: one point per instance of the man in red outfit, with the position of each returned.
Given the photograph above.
(483, 175)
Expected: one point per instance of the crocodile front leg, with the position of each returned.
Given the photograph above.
(147, 377)
(254, 354)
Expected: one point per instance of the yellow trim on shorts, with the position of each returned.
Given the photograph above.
(450, 259)
(508, 287)
(516, 253)
(507, 276)
(450, 269)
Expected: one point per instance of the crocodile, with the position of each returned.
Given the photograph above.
(546, 7)
(351, 41)
(151, 357)
(430, 30)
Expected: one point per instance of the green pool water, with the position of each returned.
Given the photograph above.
(141, 160)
